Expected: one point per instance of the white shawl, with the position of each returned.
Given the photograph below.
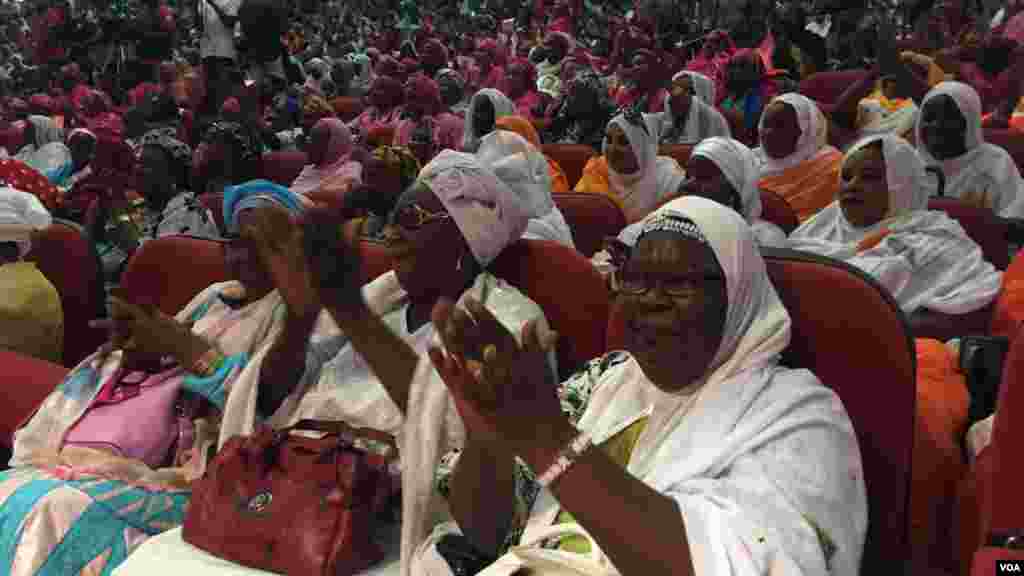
(739, 165)
(657, 177)
(926, 260)
(762, 461)
(813, 139)
(502, 107)
(521, 167)
(984, 168)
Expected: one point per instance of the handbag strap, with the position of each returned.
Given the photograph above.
(339, 428)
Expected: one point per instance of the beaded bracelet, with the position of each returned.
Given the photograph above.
(566, 458)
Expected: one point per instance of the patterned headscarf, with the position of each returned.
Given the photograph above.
(235, 135)
(166, 140)
(399, 158)
(315, 108)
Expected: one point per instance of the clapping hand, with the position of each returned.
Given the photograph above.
(279, 243)
(504, 390)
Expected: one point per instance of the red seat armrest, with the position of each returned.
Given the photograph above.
(987, 559)
(27, 382)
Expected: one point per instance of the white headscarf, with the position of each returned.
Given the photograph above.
(490, 215)
(813, 134)
(657, 176)
(21, 214)
(46, 131)
(521, 167)
(702, 120)
(926, 260)
(502, 107)
(984, 167)
(702, 85)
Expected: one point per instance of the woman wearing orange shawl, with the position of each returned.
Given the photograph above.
(523, 127)
(797, 162)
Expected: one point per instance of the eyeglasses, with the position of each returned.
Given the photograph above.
(412, 217)
(624, 282)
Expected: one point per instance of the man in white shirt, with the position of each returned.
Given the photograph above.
(218, 19)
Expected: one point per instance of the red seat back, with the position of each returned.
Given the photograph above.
(571, 157)
(215, 204)
(11, 139)
(828, 86)
(591, 217)
(168, 272)
(776, 210)
(681, 152)
(69, 261)
(879, 396)
(568, 289)
(282, 168)
(1007, 436)
(982, 225)
(348, 109)
(375, 259)
(31, 381)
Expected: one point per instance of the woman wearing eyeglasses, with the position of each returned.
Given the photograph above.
(630, 172)
(691, 452)
(365, 350)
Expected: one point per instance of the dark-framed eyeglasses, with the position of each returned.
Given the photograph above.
(630, 284)
(412, 217)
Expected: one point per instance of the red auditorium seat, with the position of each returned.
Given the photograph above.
(571, 157)
(154, 274)
(282, 167)
(828, 86)
(681, 152)
(11, 139)
(879, 396)
(215, 204)
(569, 290)
(776, 210)
(29, 380)
(375, 259)
(591, 217)
(1010, 140)
(982, 225)
(69, 261)
(990, 505)
(348, 109)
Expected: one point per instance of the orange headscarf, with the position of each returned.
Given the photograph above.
(523, 127)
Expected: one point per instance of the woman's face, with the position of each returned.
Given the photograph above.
(242, 258)
(319, 139)
(483, 117)
(780, 130)
(943, 128)
(619, 152)
(708, 181)
(863, 188)
(425, 244)
(28, 135)
(450, 91)
(555, 50)
(382, 179)
(155, 174)
(681, 95)
(672, 294)
(83, 149)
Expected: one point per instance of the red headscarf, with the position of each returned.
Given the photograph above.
(433, 54)
(386, 93)
(423, 93)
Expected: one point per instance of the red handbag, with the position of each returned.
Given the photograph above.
(292, 504)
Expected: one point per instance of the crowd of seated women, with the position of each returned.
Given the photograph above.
(646, 460)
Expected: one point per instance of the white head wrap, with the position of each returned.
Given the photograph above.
(21, 214)
(656, 177)
(813, 133)
(984, 168)
(489, 214)
(756, 330)
(521, 167)
(926, 259)
(502, 107)
(703, 86)
(739, 166)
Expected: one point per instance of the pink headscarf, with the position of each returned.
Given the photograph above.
(337, 163)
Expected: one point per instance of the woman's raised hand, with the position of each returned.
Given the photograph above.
(504, 391)
(278, 240)
(330, 245)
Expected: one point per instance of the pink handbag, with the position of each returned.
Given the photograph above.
(136, 415)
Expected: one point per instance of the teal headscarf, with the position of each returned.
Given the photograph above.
(255, 194)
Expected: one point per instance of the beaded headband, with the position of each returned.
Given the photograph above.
(673, 223)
